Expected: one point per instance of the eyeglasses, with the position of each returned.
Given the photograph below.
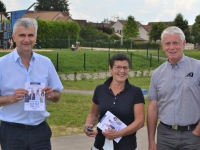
(118, 68)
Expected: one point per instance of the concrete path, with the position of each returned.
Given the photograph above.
(82, 142)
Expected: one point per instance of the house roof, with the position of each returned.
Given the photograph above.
(80, 22)
(166, 23)
(118, 35)
(66, 18)
(122, 21)
(43, 15)
(146, 27)
(65, 13)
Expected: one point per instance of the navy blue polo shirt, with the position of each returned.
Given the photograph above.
(122, 106)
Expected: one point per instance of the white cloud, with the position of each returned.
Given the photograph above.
(13, 5)
(143, 11)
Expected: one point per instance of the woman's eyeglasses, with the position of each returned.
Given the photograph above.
(118, 68)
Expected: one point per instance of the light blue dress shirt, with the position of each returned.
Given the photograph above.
(13, 75)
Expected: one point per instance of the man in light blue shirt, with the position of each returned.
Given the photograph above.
(20, 129)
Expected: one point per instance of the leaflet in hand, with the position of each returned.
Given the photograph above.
(35, 100)
(110, 121)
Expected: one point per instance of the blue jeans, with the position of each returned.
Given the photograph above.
(19, 138)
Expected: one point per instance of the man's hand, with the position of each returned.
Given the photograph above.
(18, 95)
(51, 94)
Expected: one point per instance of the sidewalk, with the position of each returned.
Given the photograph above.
(82, 142)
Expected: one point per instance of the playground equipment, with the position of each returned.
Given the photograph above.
(5, 34)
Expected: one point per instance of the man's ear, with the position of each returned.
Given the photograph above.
(13, 37)
(184, 43)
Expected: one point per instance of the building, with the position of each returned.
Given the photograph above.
(48, 15)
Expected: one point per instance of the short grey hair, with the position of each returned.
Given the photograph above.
(25, 22)
(173, 30)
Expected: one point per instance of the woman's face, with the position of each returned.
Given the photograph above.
(120, 70)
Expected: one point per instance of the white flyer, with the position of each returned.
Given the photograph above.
(35, 100)
(110, 121)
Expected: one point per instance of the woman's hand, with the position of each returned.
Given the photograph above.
(111, 134)
(89, 131)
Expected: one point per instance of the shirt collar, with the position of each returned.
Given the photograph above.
(178, 64)
(17, 57)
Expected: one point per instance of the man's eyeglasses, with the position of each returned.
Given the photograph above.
(118, 68)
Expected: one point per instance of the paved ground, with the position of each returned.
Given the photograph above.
(82, 142)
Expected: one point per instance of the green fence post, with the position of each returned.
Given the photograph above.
(84, 61)
(158, 54)
(150, 60)
(108, 58)
(57, 63)
(131, 60)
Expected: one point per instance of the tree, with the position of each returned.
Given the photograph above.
(90, 32)
(104, 29)
(3, 8)
(130, 29)
(106, 21)
(52, 5)
(114, 37)
(183, 25)
(156, 31)
(196, 29)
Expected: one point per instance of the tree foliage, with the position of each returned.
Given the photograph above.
(90, 32)
(104, 29)
(156, 31)
(3, 8)
(130, 28)
(196, 29)
(57, 29)
(183, 25)
(114, 37)
(52, 5)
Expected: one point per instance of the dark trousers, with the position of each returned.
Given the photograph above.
(170, 139)
(14, 137)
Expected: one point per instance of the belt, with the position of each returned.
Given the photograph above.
(23, 125)
(181, 128)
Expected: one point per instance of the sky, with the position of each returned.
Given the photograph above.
(143, 11)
